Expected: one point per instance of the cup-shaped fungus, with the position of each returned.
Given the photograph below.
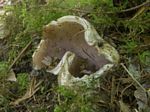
(83, 54)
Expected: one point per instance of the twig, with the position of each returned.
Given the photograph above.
(140, 11)
(33, 88)
(113, 90)
(136, 7)
(122, 92)
(20, 54)
(131, 75)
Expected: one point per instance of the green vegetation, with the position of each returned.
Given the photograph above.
(72, 100)
(127, 30)
(145, 57)
(3, 69)
(23, 81)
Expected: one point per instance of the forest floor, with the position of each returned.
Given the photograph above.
(123, 24)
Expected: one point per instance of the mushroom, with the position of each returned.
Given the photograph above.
(83, 54)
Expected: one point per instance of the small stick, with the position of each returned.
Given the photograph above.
(131, 75)
(125, 89)
(113, 90)
(140, 11)
(136, 7)
(20, 54)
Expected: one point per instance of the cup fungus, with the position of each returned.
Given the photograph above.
(83, 55)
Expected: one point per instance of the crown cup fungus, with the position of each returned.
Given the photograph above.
(83, 55)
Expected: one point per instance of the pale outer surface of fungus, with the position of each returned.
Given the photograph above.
(71, 38)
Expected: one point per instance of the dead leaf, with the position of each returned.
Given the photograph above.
(134, 70)
(124, 107)
(146, 40)
(141, 98)
(12, 76)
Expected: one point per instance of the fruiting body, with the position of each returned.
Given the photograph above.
(76, 43)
